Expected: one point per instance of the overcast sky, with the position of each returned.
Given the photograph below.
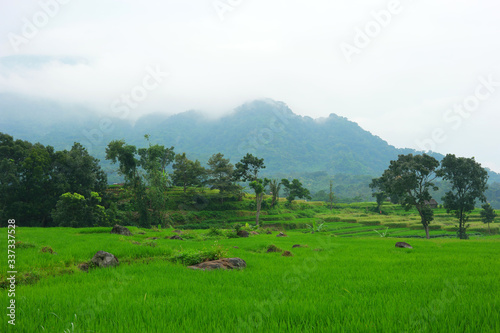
(419, 74)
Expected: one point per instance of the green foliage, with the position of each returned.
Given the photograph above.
(33, 177)
(468, 180)
(221, 173)
(74, 210)
(193, 257)
(410, 178)
(248, 168)
(187, 173)
(294, 189)
(488, 215)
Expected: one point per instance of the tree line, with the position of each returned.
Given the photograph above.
(409, 179)
(42, 187)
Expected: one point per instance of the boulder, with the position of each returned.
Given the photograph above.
(269, 232)
(254, 232)
(287, 254)
(404, 245)
(118, 229)
(176, 237)
(105, 259)
(296, 245)
(273, 248)
(242, 233)
(224, 263)
(281, 234)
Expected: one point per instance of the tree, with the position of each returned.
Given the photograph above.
(468, 180)
(410, 178)
(221, 175)
(274, 188)
(148, 187)
(186, 172)
(248, 168)
(76, 211)
(488, 215)
(258, 186)
(78, 172)
(33, 177)
(294, 189)
(380, 196)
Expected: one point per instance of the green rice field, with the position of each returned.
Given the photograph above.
(344, 279)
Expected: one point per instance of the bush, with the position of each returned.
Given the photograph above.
(193, 257)
(214, 232)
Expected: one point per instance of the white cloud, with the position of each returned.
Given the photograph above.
(398, 87)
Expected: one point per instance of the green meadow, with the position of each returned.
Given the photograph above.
(347, 278)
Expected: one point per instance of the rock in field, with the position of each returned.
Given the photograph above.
(281, 234)
(296, 245)
(254, 232)
(242, 233)
(404, 245)
(118, 229)
(224, 263)
(105, 259)
(287, 254)
(176, 237)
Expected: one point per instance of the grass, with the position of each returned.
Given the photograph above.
(355, 284)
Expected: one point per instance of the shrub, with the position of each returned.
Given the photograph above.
(193, 257)
(214, 232)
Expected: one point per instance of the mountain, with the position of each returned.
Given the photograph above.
(314, 150)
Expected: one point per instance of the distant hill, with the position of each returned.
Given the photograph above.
(314, 150)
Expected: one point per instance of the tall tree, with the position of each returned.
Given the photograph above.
(78, 172)
(294, 189)
(380, 196)
(221, 175)
(258, 186)
(149, 187)
(186, 172)
(274, 188)
(248, 168)
(468, 180)
(410, 178)
(488, 215)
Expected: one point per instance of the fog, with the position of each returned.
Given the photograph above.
(419, 74)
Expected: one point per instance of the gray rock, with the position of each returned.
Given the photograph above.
(105, 259)
(176, 237)
(281, 234)
(404, 245)
(118, 229)
(224, 263)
